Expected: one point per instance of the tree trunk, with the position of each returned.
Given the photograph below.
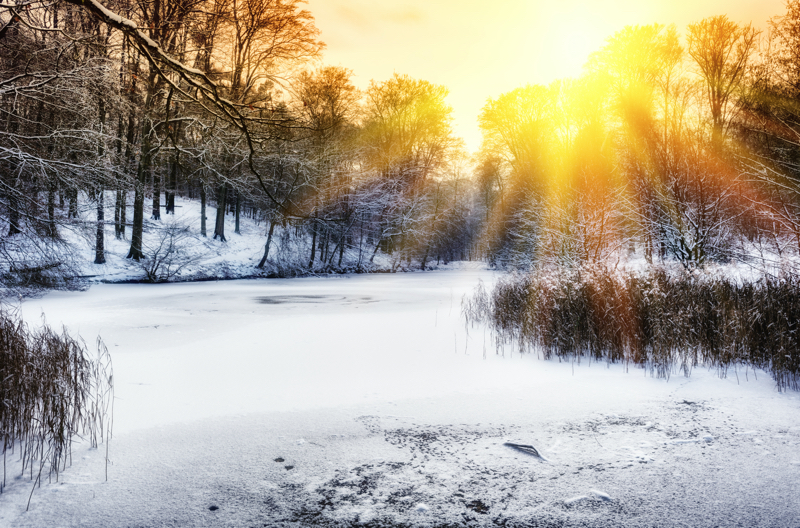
(203, 210)
(360, 242)
(172, 185)
(156, 197)
(143, 171)
(99, 239)
(137, 231)
(375, 251)
(219, 225)
(266, 246)
(13, 212)
(99, 245)
(313, 244)
(323, 245)
(339, 247)
(121, 205)
(117, 200)
(51, 209)
(238, 211)
(119, 214)
(73, 203)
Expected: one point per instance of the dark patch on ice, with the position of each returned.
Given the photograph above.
(282, 299)
(439, 441)
(312, 299)
(478, 507)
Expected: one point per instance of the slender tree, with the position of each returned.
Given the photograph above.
(721, 49)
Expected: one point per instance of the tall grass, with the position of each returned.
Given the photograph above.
(51, 391)
(662, 321)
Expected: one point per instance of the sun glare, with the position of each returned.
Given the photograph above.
(480, 49)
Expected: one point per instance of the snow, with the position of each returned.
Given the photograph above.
(342, 400)
(601, 495)
(204, 257)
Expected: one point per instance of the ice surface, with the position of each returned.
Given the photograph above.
(397, 406)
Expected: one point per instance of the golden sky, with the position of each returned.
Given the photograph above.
(482, 48)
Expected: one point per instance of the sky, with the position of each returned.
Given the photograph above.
(480, 49)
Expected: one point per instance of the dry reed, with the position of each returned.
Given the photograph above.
(664, 322)
(51, 391)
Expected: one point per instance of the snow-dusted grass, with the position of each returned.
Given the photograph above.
(361, 400)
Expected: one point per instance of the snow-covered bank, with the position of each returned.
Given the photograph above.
(199, 258)
(361, 400)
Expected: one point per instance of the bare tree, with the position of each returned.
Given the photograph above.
(406, 138)
(721, 49)
(55, 139)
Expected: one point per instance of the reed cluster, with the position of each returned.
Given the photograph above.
(51, 392)
(663, 321)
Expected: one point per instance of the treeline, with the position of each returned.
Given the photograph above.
(668, 147)
(220, 101)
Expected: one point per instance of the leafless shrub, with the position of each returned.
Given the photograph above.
(31, 264)
(51, 392)
(659, 320)
(168, 254)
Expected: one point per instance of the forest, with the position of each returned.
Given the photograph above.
(673, 146)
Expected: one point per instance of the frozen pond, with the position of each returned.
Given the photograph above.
(361, 400)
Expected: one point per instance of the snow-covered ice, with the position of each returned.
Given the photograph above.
(356, 400)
